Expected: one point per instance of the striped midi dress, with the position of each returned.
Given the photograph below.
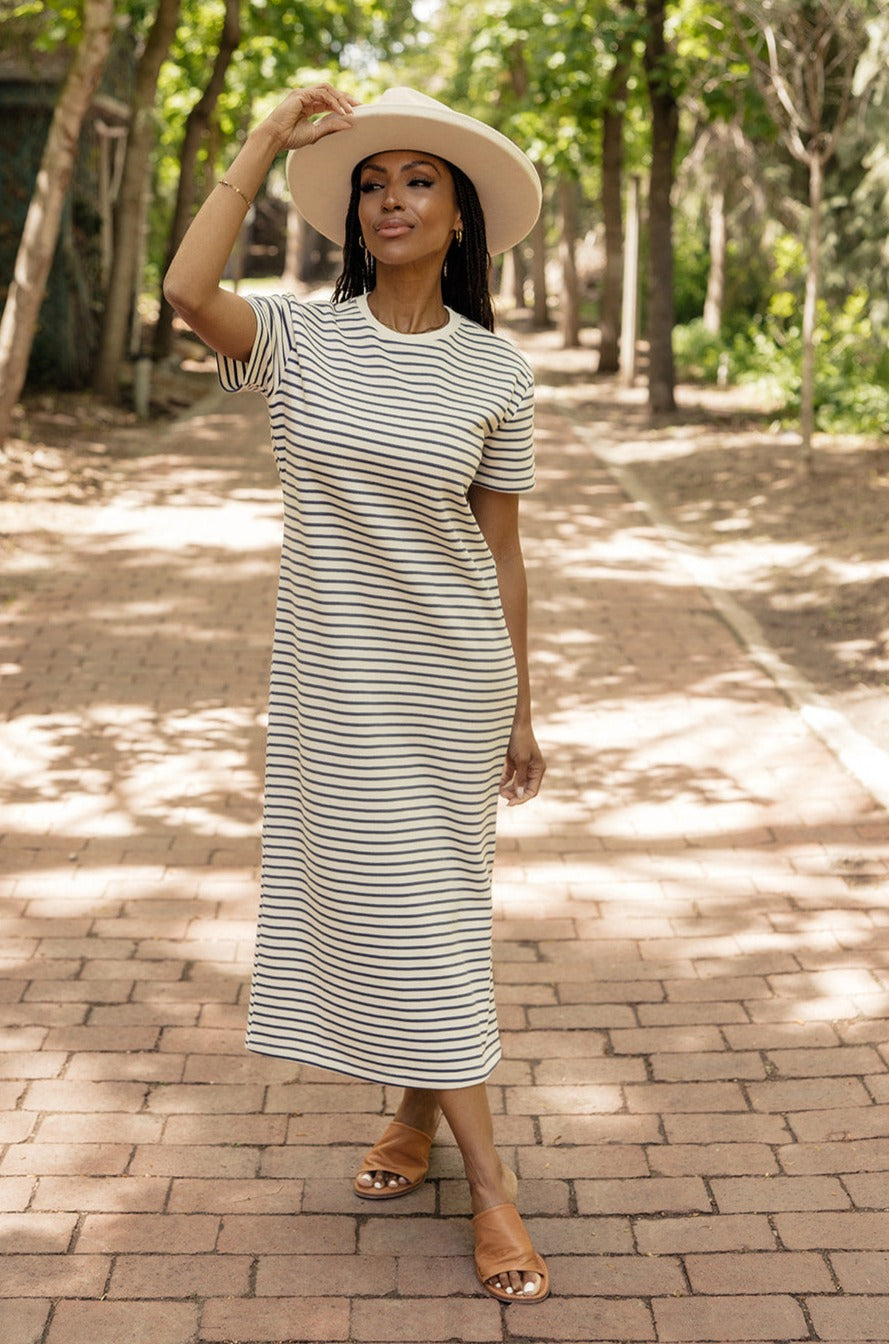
(392, 690)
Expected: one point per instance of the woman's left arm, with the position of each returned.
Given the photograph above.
(497, 514)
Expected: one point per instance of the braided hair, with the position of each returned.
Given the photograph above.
(464, 275)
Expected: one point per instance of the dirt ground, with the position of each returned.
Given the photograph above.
(62, 442)
(804, 550)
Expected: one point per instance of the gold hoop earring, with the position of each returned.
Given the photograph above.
(458, 236)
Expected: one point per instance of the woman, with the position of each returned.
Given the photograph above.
(401, 428)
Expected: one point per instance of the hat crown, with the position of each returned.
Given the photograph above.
(402, 96)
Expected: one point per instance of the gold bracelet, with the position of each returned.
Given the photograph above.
(231, 186)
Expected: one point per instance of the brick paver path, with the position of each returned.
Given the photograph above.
(692, 959)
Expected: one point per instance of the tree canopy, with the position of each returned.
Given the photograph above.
(590, 89)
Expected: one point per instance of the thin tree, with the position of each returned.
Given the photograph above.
(724, 167)
(569, 308)
(612, 141)
(664, 105)
(40, 235)
(113, 342)
(196, 126)
(520, 84)
(804, 58)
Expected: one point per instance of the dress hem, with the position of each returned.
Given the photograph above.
(426, 1084)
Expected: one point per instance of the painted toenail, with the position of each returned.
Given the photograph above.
(529, 1288)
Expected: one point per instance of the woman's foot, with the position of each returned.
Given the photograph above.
(417, 1112)
(509, 1284)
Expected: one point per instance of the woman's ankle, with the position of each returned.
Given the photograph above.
(492, 1187)
(420, 1112)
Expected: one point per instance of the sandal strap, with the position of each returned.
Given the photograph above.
(503, 1244)
(401, 1149)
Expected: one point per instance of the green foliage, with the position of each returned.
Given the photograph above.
(541, 70)
(36, 26)
(537, 71)
(283, 44)
(856, 238)
(692, 263)
(851, 361)
(766, 197)
(45, 25)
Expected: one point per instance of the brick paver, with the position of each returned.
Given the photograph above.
(692, 954)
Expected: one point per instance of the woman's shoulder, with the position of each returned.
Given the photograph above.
(307, 322)
(496, 346)
(310, 310)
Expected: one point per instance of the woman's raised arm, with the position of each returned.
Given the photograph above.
(222, 319)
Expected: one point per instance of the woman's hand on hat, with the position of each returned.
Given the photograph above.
(292, 120)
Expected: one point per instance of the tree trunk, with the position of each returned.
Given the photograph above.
(40, 235)
(630, 297)
(294, 249)
(512, 278)
(807, 390)
(515, 271)
(120, 295)
(664, 131)
(112, 145)
(612, 187)
(196, 126)
(307, 259)
(569, 307)
(716, 275)
(538, 268)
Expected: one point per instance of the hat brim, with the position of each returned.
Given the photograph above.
(508, 187)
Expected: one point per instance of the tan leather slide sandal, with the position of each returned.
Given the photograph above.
(502, 1244)
(402, 1150)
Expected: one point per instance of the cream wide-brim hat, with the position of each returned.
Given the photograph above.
(319, 175)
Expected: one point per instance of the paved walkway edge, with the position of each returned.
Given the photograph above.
(864, 760)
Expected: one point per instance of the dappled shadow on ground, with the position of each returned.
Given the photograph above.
(802, 549)
(136, 647)
(807, 549)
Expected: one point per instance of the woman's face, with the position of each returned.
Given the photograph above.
(406, 207)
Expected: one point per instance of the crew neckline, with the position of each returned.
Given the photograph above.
(412, 337)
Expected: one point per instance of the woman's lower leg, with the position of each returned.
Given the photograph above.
(468, 1112)
(419, 1108)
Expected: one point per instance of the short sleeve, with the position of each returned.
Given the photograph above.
(264, 369)
(507, 462)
